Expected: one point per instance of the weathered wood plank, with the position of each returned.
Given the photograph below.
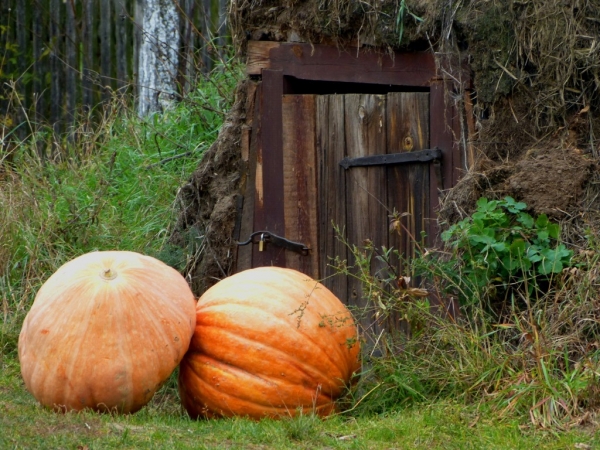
(106, 50)
(121, 55)
(23, 37)
(331, 149)
(441, 129)
(269, 172)
(366, 195)
(7, 36)
(74, 49)
(138, 14)
(56, 67)
(257, 56)
(39, 70)
(72, 66)
(441, 137)
(88, 38)
(222, 30)
(329, 63)
(300, 181)
(408, 185)
(248, 126)
(206, 31)
(189, 35)
(249, 161)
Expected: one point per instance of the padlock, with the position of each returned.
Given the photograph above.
(261, 243)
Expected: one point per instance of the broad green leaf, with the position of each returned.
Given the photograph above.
(526, 220)
(500, 247)
(482, 239)
(482, 203)
(563, 251)
(553, 230)
(514, 206)
(491, 232)
(479, 217)
(542, 221)
(533, 254)
(548, 266)
(447, 235)
(543, 235)
(518, 247)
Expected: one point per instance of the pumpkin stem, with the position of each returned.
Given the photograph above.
(108, 274)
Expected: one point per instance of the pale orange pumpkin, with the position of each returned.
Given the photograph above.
(105, 331)
(269, 342)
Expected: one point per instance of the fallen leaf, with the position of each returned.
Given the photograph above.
(583, 446)
(474, 422)
(346, 437)
(584, 110)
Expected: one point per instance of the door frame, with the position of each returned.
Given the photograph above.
(293, 68)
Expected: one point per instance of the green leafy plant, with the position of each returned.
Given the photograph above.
(501, 244)
(536, 361)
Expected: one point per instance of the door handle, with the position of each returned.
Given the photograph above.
(266, 237)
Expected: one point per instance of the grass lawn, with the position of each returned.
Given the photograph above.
(25, 424)
(117, 189)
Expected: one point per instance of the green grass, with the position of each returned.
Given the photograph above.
(113, 185)
(161, 424)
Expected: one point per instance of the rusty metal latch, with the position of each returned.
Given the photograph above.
(430, 154)
(266, 237)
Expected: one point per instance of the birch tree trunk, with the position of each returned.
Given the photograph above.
(158, 56)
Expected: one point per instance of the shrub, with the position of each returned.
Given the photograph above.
(534, 357)
(501, 245)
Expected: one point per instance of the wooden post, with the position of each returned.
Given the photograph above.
(39, 64)
(138, 17)
(121, 55)
(22, 30)
(88, 34)
(269, 172)
(106, 49)
(56, 68)
(206, 35)
(71, 68)
(222, 31)
(300, 198)
(189, 36)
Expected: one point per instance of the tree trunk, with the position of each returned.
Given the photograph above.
(158, 56)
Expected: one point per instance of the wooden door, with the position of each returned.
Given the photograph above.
(362, 202)
(327, 207)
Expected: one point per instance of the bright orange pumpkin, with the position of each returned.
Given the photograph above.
(268, 343)
(105, 331)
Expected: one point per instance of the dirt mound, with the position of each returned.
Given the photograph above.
(535, 72)
(550, 181)
(208, 204)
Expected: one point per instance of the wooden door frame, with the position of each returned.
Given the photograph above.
(278, 63)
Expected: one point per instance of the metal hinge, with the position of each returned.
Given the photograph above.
(430, 154)
(266, 237)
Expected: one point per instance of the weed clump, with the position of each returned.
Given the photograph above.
(504, 315)
(111, 184)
